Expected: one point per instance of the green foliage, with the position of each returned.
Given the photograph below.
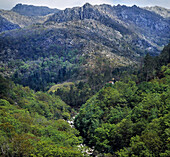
(42, 60)
(33, 125)
(128, 119)
(124, 119)
(74, 94)
(152, 65)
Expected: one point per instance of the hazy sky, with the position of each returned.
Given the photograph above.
(61, 4)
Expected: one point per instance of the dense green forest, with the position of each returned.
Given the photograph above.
(32, 66)
(34, 124)
(131, 117)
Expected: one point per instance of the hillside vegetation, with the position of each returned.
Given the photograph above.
(78, 44)
(124, 119)
(129, 119)
(34, 124)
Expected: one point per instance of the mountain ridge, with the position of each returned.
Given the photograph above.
(80, 43)
(122, 18)
(164, 12)
(31, 10)
(21, 20)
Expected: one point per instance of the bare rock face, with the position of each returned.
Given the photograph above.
(30, 10)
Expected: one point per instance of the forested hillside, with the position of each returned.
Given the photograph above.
(34, 124)
(102, 65)
(124, 119)
(129, 119)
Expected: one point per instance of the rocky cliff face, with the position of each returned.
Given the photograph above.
(30, 10)
(151, 31)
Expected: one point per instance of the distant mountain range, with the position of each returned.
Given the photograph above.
(30, 10)
(25, 15)
(71, 43)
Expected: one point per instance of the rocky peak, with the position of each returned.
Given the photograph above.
(111, 16)
(87, 11)
(87, 5)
